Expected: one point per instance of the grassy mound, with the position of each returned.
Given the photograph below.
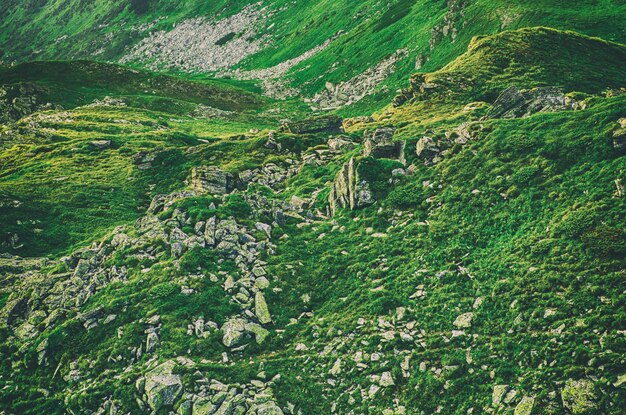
(528, 58)
(77, 83)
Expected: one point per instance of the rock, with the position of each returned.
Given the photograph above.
(426, 148)
(203, 406)
(264, 227)
(340, 144)
(269, 408)
(579, 397)
(162, 387)
(260, 334)
(620, 381)
(386, 380)
(464, 321)
(151, 342)
(262, 283)
(349, 190)
(260, 308)
(525, 406)
(101, 144)
(619, 135)
(326, 123)
(498, 394)
(380, 144)
(234, 332)
(513, 103)
(336, 369)
(212, 180)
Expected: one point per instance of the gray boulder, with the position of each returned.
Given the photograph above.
(349, 190)
(162, 387)
(212, 180)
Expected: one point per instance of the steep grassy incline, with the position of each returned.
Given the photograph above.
(366, 49)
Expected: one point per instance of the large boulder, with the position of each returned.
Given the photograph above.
(162, 387)
(525, 406)
(349, 190)
(212, 180)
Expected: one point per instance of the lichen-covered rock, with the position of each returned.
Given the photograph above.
(260, 308)
(464, 321)
(515, 103)
(162, 387)
(525, 406)
(427, 149)
(498, 394)
(268, 408)
(349, 190)
(326, 123)
(380, 144)
(579, 397)
(234, 332)
(212, 180)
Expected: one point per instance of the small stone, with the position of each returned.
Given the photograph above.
(464, 320)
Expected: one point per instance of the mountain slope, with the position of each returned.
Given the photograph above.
(365, 50)
(190, 247)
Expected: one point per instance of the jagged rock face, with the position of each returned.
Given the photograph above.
(329, 123)
(212, 180)
(513, 103)
(380, 144)
(349, 190)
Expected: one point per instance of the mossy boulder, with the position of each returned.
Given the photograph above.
(579, 396)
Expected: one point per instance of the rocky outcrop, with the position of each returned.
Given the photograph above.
(17, 101)
(358, 87)
(380, 144)
(452, 23)
(327, 123)
(212, 180)
(349, 190)
(515, 103)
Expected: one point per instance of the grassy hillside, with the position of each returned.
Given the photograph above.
(168, 243)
